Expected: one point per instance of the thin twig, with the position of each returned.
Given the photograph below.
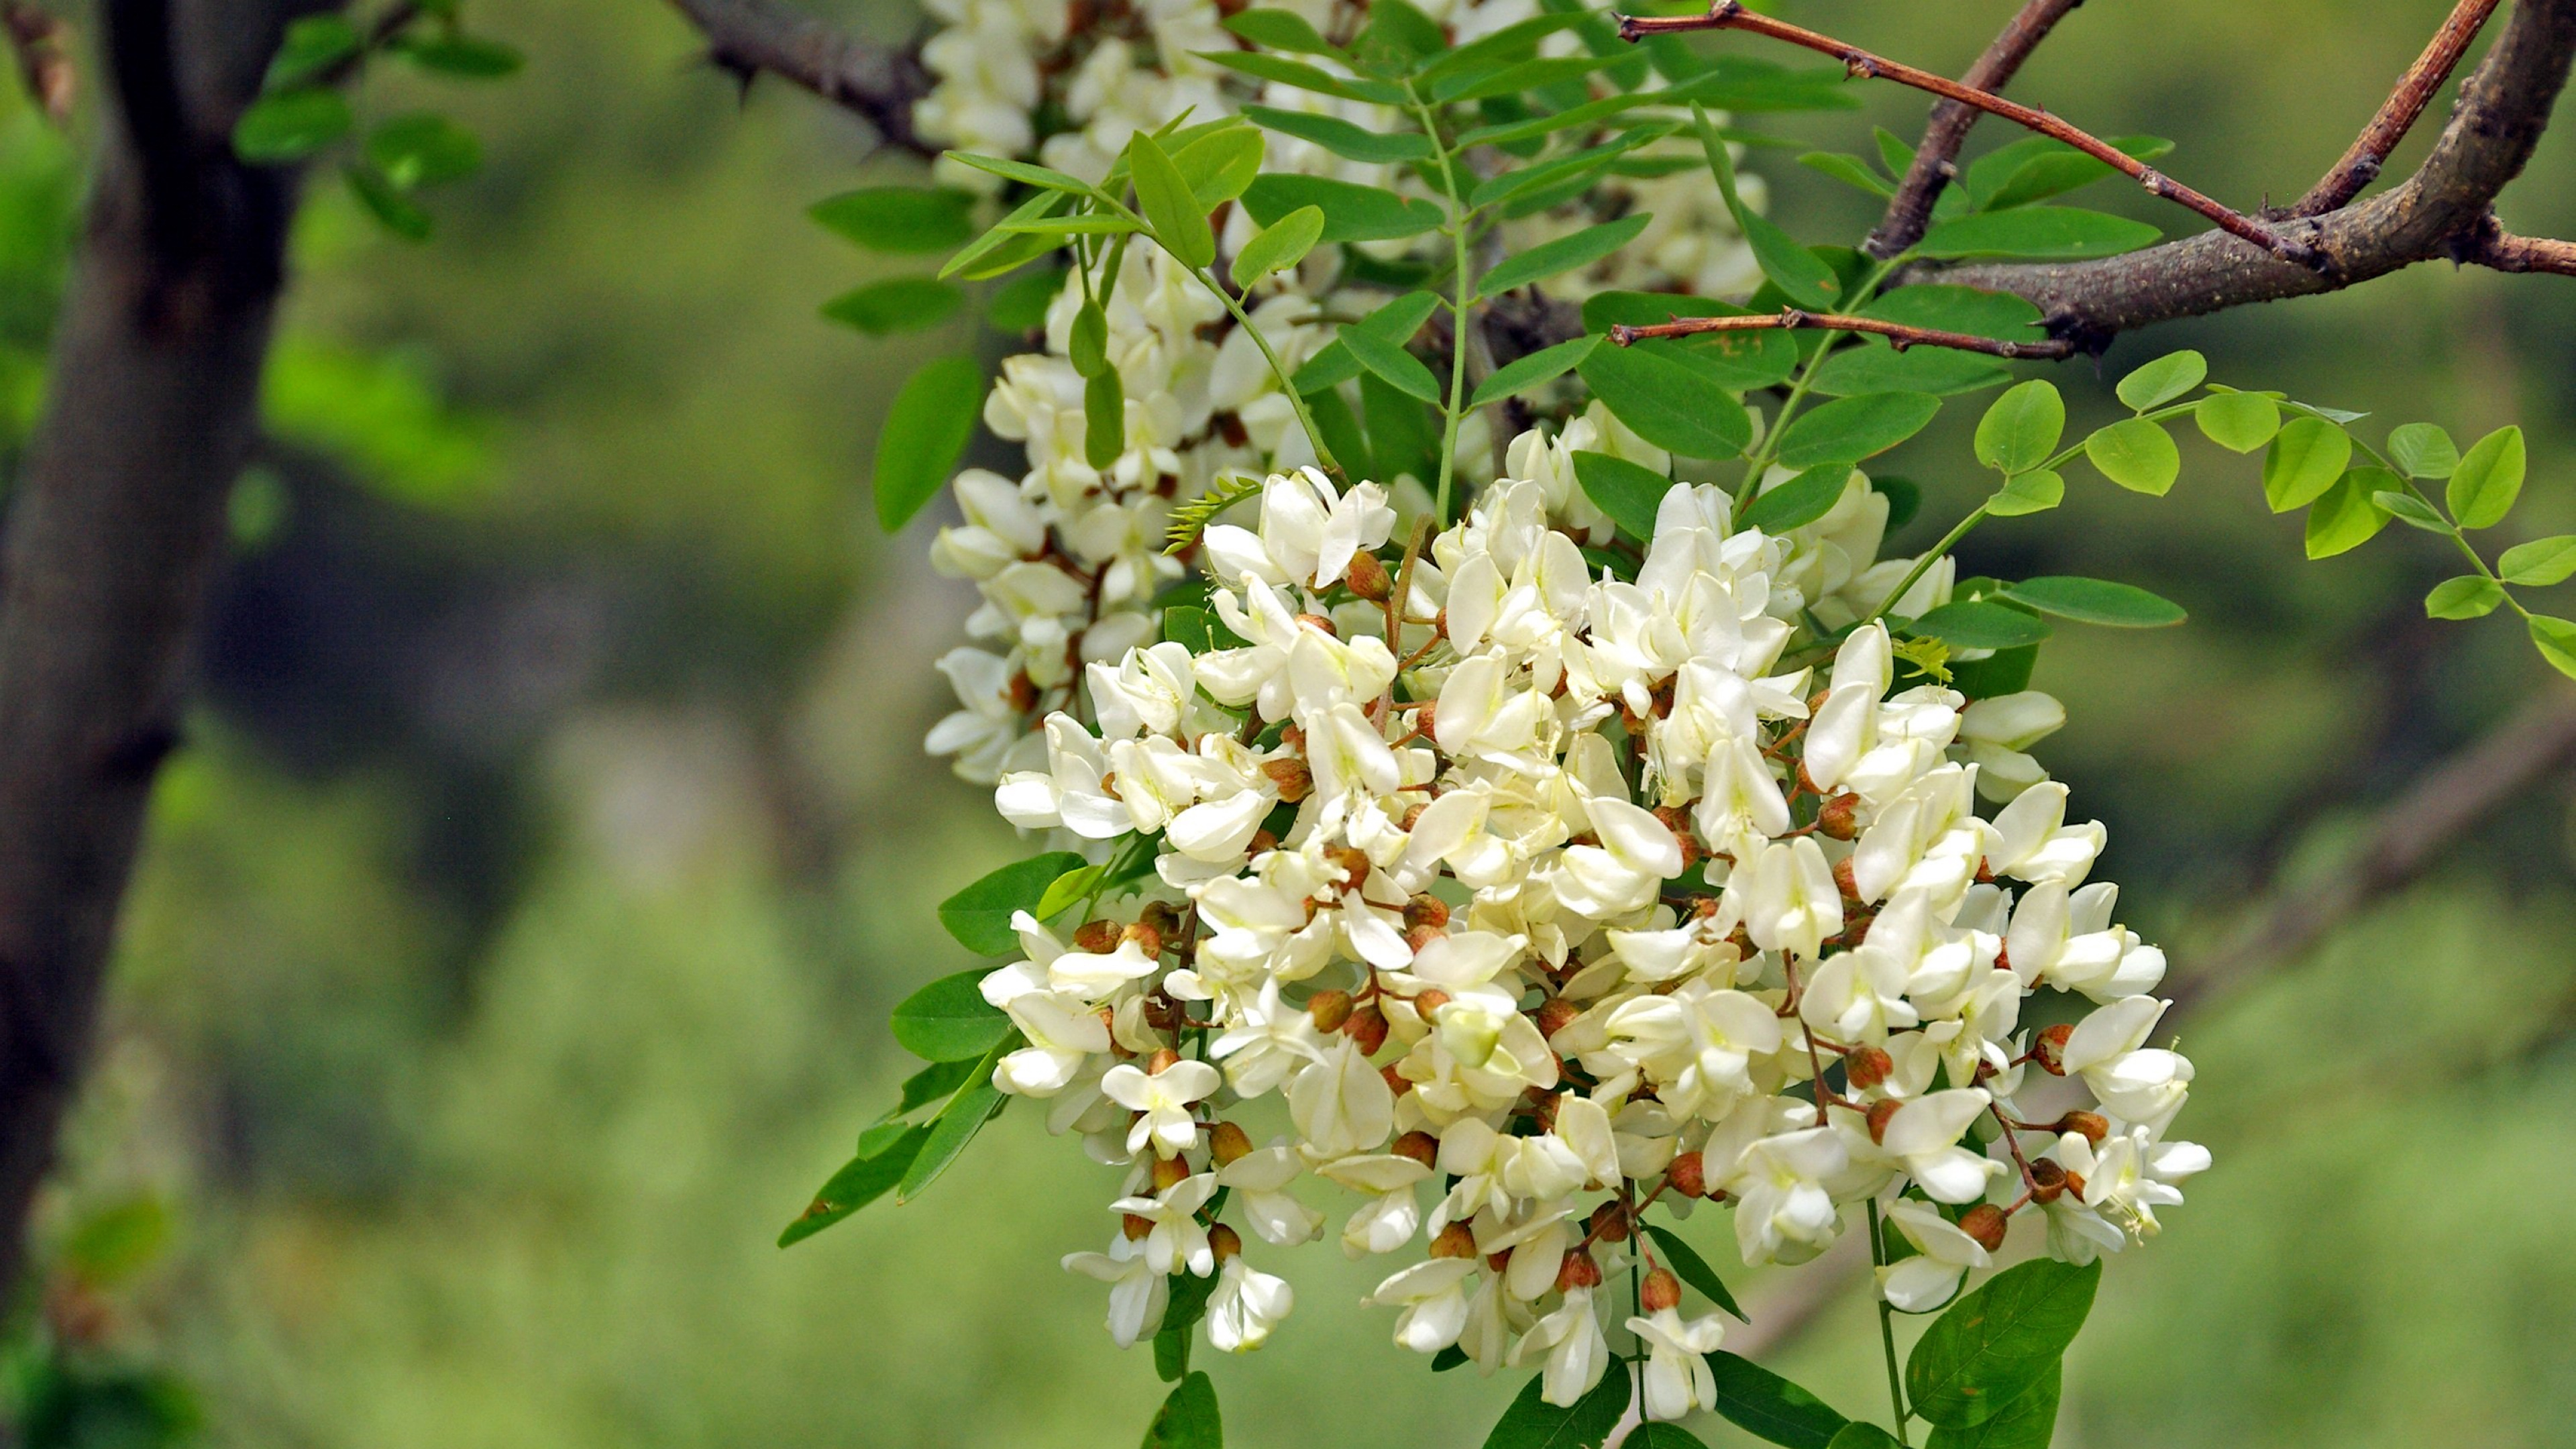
(1731, 15)
(1898, 334)
(1934, 166)
(43, 45)
(2397, 115)
(879, 83)
(2505, 252)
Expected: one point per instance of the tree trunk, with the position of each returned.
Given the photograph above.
(118, 521)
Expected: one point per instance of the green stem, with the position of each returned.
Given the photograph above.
(1459, 215)
(1924, 564)
(2450, 530)
(1887, 1328)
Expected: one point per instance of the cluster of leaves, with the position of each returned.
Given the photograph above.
(68, 1378)
(304, 108)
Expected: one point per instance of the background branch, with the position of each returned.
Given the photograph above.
(878, 83)
(2397, 115)
(1909, 212)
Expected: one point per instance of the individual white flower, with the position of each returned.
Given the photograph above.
(1697, 1044)
(1245, 1305)
(1162, 1101)
(1138, 1291)
(1996, 733)
(1783, 1212)
(2132, 1081)
(1392, 1214)
(1177, 1239)
(1259, 1181)
(1789, 900)
(1677, 1378)
(2131, 1174)
(1922, 1138)
(1341, 1106)
(1576, 1350)
(1943, 1255)
(1433, 1295)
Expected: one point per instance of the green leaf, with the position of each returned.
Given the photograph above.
(2097, 601)
(1862, 1434)
(1763, 1403)
(900, 304)
(1104, 417)
(949, 1020)
(1663, 1436)
(2051, 168)
(1849, 170)
(2487, 480)
(1073, 885)
(2305, 459)
(1800, 274)
(1042, 177)
(2156, 383)
(1394, 324)
(1000, 250)
(2136, 454)
(2410, 510)
(2423, 450)
(1278, 246)
(933, 415)
(2541, 562)
(1448, 1358)
(1057, 229)
(2020, 431)
(461, 57)
(1163, 194)
(1849, 429)
(1397, 39)
(1561, 255)
(423, 149)
(1528, 372)
(2238, 421)
(1668, 403)
(2028, 1422)
(860, 1181)
(1756, 358)
(1894, 151)
(980, 915)
(1572, 168)
(1301, 76)
(1281, 30)
(1536, 73)
(1904, 499)
(1998, 1342)
(1342, 138)
(2042, 233)
(290, 125)
(1401, 369)
(2036, 491)
(1351, 212)
(1628, 492)
(2556, 641)
(310, 47)
(396, 212)
(1514, 42)
(2344, 517)
(1876, 367)
(1689, 1266)
(956, 1124)
(939, 1079)
(1532, 1423)
(899, 218)
(1181, 1313)
(1087, 340)
(2470, 596)
(1974, 624)
(1220, 164)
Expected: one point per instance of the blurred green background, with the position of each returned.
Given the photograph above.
(510, 956)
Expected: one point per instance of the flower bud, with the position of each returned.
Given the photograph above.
(1577, 1271)
(2075, 1184)
(1985, 1223)
(1367, 1026)
(1609, 1223)
(1421, 1146)
(1368, 578)
(1396, 1082)
(2050, 1049)
(1661, 1291)
(1879, 1114)
(1319, 624)
(1329, 1009)
(1556, 1014)
(1455, 1241)
(1840, 819)
(2047, 1180)
(1418, 939)
(1430, 1002)
(1688, 1173)
(2088, 1123)
(1169, 1173)
(1225, 1242)
(1148, 939)
(1262, 840)
(1097, 937)
(1294, 780)
(1162, 1013)
(1135, 1228)
(1426, 910)
(1677, 820)
(1162, 917)
(1866, 1067)
(1228, 1143)
(1354, 863)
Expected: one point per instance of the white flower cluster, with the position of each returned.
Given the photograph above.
(1066, 555)
(1565, 893)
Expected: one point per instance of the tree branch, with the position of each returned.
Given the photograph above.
(878, 83)
(2505, 252)
(1899, 335)
(1909, 212)
(2397, 115)
(1731, 15)
(2502, 111)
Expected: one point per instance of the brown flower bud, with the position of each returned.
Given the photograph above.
(1413, 815)
(2088, 1123)
(1294, 780)
(1149, 940)
(1368, 579)
(1577, 1271)
(1228, 1143)
(1688, 1173)
(1225, 1242)
(1556, 1014)
(1677, 820)
(1024, 693)
(1162, 1013)
(2050, 1049)
(1097, 937)
(1879, 1113)
(1840, 819)
(1169, 1173)
(1455, 1241)
(1293, 736)
(1866, 1067)
(1985, 1223)
(1427, 724)
(1396, 1082)
(1261, 840)
(1609, 1223)
(1162, 917)
(1134, 1227)
(1319, 624)
(1845, 882)
(2047, 1180)
(1367, 1026)
(1419, 938)
(1421, 1146)
(1430, 1002)
(1661, 1291)
(1163, 1060)
(1354, 863)
(1426, 910)
(2075, 1183)
(1329, 1009)
(1497, 1261)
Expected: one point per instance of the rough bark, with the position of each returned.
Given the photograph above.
(117, 522)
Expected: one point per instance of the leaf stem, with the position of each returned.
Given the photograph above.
(1460, 213)
(2450, 529)
(1924, 564)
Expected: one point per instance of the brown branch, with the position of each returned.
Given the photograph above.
(1731, 15)
(43, 45)
(1909, 212)
(878, 83)
(1899, 335)
(2505, 252)
(2397, 115)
